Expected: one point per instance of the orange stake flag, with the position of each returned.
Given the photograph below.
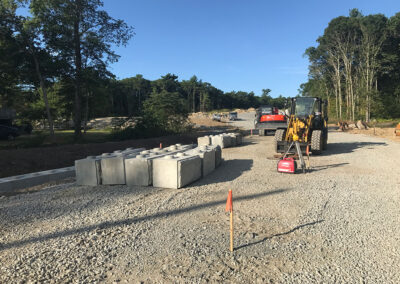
(229, 202)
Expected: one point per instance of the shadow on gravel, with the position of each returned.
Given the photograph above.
(248, 132)
(281, 234)
(321, 168)
(348, 147)
(244, 144)
(130, 221)
(228, 171)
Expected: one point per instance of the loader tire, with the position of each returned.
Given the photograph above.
(325, 144)
(317, 141)
(279, 136)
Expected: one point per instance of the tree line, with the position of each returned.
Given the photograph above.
(54, 67)
(356, 66)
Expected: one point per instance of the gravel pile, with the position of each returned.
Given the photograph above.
(338, 223)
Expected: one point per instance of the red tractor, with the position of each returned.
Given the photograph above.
(268, 120)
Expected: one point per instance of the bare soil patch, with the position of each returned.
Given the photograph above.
(379, 132)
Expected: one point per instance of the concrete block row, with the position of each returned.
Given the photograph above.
(172, 167)
(224, 140)
(10, 184)
(120, 167)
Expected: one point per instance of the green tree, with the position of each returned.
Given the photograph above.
(166, 110)
(265, 99)
(79, 32)
(26, 34)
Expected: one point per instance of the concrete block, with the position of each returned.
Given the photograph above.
(88, 171)
(204, 141)
(237, 138)
(207, 156)
(176, 171)
(113, 166)
(222, 140)
(139, 169)
(13, 183)
(218, 154)
(232, 139)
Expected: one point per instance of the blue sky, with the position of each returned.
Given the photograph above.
(234, 45)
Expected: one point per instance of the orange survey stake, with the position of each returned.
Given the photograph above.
(229, 208)
(229, 204)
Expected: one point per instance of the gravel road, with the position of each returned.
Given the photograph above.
(338, 223)
(245, 120)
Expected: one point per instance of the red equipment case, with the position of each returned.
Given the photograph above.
(287, 165)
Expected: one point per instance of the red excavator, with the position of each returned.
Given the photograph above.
(268, 120)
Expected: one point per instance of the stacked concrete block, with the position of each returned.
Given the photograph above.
(207, 155)
(113, 166)
(176, 171)
(139, 169)
(88, 171)
(222, 140)
(204, 141)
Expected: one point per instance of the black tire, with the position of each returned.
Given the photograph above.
(279, 136)
(317, 141)
(325, 143)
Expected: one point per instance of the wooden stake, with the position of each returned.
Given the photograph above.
(231, 231)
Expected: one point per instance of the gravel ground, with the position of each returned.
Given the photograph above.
(245, 120)
(337, 224)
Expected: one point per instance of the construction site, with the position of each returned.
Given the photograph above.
(199, 141)
(337, 222)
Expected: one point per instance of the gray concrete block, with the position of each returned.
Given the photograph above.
(176, 171)
(113, 166)
(204, 141)
(236, 138)
(222, 140)
(139, 169)
(218, 154)
(88, 171)
(232, 139)
(207, 156)
(13, 183)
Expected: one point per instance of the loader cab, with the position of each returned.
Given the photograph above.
(304, 106)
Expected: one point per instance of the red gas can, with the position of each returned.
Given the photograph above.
(287, 165)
